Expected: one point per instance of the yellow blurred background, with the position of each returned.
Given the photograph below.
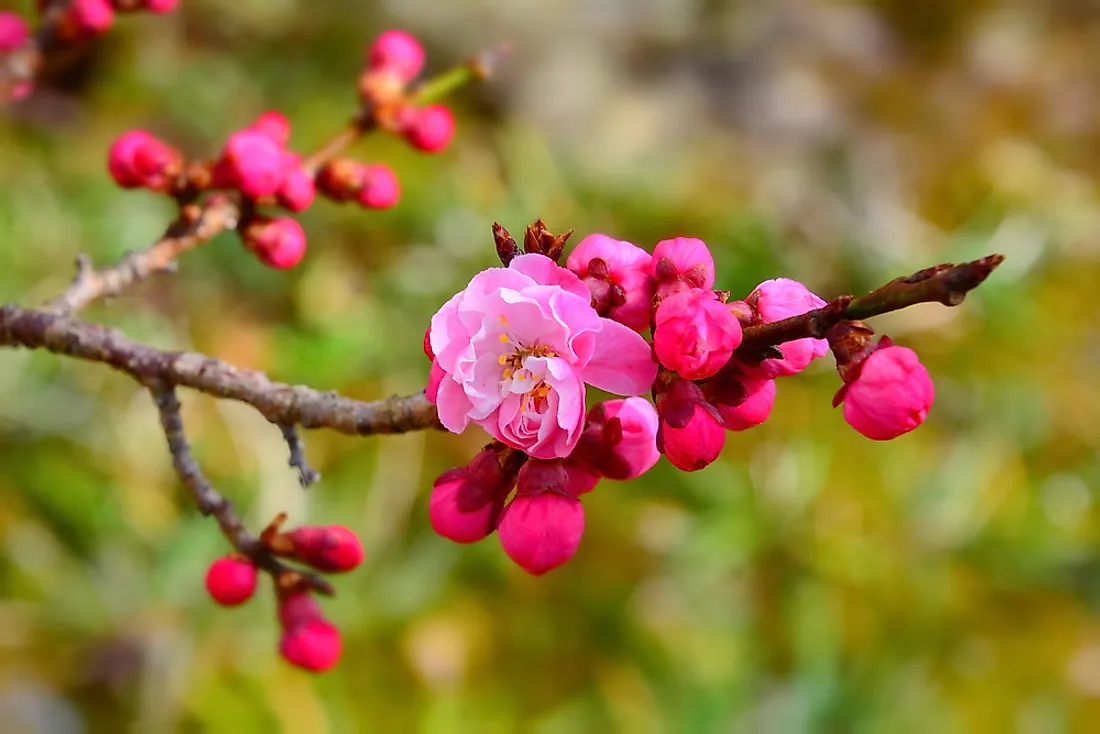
(810, 581)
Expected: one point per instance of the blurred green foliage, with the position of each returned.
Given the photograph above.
(810, 581)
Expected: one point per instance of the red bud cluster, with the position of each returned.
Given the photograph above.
(256, 163)
(308, 640)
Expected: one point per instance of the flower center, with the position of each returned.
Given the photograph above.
(514, 369)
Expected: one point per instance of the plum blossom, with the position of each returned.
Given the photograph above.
(515, 349)
(891, 394)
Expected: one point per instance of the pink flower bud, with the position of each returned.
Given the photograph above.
(617, 273)
(689, 432)
(380, 189)
(541, 532)
(278, 243)
(890, 395)
(466, 502)
(160, 6)
(775, 300)
(430, 128)
(91, 17)
(298, 608)
(231, 581)
(695, 333)
(138, 159)
(331, 548)
(397, 52)
(297, 192)
(312, 645)
(620, 438)
(751, 408)
(680, 263)
(14, 31)
(254, 163)
(274, 125)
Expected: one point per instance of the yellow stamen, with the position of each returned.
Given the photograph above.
(504, 339)
(502, 360)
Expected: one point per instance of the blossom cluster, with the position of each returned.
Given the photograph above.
(257, 164)
(77, 21)
(516, 350)
(308, 639)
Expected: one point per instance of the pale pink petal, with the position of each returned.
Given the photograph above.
(623, 362)
(545, 271)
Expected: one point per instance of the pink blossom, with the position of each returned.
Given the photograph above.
(329, 548)
(274, 125)
(891, 395)
(775, 300)
(541, 532)
(466, 502)
(309, 640)
(254, 163)
(231, 581)
(695, 333)
(617, 273)
(620, 438)
(278, 243)
(752, 409)
(690, 432)
(430, 128)
(397, 52)
(137, 159)
(313, 645)
(379, 188)
(297, 192)
(682, 263)
(517, 347)
(14, 31)
(160, 6)
(91, 17)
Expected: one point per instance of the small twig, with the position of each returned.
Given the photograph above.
(307, 475)
(194, 226)
(947, 284)
(278, 402)
(211, 503)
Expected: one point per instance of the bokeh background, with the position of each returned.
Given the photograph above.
(810, 581)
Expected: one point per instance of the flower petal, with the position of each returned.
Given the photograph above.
(622, 363)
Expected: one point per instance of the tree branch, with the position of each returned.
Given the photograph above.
(280, 403)
(195, 225)
(947, 284)
(211, 503)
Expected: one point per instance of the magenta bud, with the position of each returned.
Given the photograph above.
(541, 532)
(695, 333)
(430, 128)
(313, 645)
(466, 502)
(231, 581)
(890, 395)
(278, 243)
(330, 548)
(685, 260)
(398, 53)
(617, 274)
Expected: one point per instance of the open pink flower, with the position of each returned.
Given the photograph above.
(516, 348)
